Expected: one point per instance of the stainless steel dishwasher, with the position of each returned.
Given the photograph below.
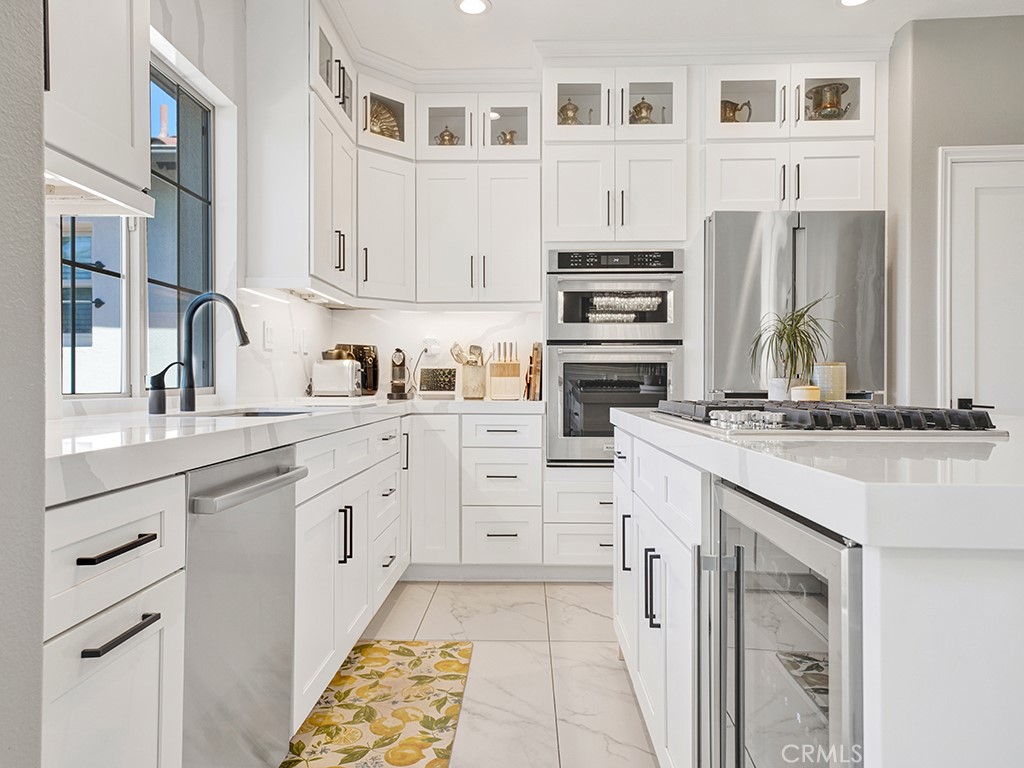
(239, 609)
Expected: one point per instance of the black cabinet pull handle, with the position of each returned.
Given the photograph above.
(339, 264)
(389, 492)
(471, 268)
(148, 619)
(606, 503)
(502, 535)
(366, 264)
(505, 431)
(389, 437)
(622, 206)
(624, 547)
(485, 269)
(110, 554)
(341, 87)
(651, 621)
(406, 436)
(798, 181)
(783, 181)
(608, 115)
(366, 113)
(46, 45)
(622, 106)
(502, 477)
(346, 516)
(389, 562)
(647, 582)
(604, 545)
(619, 455)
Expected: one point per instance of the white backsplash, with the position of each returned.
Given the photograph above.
(391, 329)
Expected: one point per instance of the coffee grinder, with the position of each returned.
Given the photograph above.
(399, 377)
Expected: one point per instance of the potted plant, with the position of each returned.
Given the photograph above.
(792, 341)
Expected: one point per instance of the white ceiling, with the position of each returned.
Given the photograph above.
(433, 35)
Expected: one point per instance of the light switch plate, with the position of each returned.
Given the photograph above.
(268, 336)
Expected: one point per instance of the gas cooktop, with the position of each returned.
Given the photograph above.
(750, 416)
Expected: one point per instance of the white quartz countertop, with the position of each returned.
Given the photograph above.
(88, 455)
(886, 489)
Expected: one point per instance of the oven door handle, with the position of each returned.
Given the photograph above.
(637, 278)
(612, 349)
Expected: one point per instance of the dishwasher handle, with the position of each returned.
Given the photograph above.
(211, 505)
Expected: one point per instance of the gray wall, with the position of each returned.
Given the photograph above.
(21, 382)
(953, 82)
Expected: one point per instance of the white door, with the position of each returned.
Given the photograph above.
(985, 271)
(331, 74)
(447, 126)
(832, 175)
(317, 645)
(851, 105)
(510, 246)
(97, 108)
(624, 575)
(332, 176)
(578, 104)
(434, 483)
(651, 631)
(387, 227)
(748, 101)
(650, 200)
(447, 257)
(747, 177)
(578, 185)
(651, 103)
(675, 611)
(387, 117)
(404, 520)
(509, 126)
(352, 573)
(344, 164)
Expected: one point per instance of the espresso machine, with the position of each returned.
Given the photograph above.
(399, 377)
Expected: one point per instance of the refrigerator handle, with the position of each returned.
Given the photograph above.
(740, 670)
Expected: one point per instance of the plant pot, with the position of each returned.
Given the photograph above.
(778, 389)
(806, 392)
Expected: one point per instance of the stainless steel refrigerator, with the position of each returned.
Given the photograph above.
(763, 262)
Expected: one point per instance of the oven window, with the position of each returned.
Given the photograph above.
(591, 390)
(615, 307)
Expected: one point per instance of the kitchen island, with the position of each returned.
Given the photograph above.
(930, 530)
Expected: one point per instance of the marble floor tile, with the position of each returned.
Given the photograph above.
(508, 717)
(580, 612)
(599, 723)
(402, 612)
(485, 611)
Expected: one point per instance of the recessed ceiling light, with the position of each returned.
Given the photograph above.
(473, 7)
(851, 3)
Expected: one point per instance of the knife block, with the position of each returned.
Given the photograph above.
(505, 382)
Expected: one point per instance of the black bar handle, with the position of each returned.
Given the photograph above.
(110, 554)
(46, 45)
(148, 620)
(406, 436)
(389, 562)
(502, 477)
(484, 268)
(741, 673)
(366, 264)
(651, 622)
(366, 114)
(338, 264)
(606, 503)
(502, 535)
(387, 438)
(602, 544)
(619, 455)
(341, 82)
(504, 431)
(389, 492)
(345, 511)
(624, 566)
(783, 181)
(351, 533)
(647, 582)
(798, 181)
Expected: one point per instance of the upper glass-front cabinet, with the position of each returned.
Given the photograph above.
(468, 126)
(448, 126)
(510, 127)
(608, 104)
(331, 73)
(387, 118)
(806, 100)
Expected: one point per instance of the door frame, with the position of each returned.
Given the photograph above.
(948, 158)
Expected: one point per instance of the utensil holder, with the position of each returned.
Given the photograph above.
(505, 381)
(474, 382)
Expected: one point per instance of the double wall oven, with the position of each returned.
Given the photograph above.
(614, 340)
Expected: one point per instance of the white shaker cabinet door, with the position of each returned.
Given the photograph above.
(833, 175)
(579, 181)
(447, 257)
(509, 225)
(97, 108)
(434, 484)
(387, 227)
(354, 606)
(332, 215)
(625, 574)
(650, 196)
(748, 177)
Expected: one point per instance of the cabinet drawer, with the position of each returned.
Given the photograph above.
(384, 495)
(334, 458)
(501, 477)
(101, 550)
(123, 707)
(624, 456)
(501, 535)
(578, 543)
(385, 565)
(501, 431)
(578, 502)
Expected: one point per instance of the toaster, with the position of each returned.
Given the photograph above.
(337, 378)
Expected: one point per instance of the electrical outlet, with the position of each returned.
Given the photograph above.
(432, 346)
(268, 336)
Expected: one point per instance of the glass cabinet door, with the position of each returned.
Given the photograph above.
(448, 126)
(578, 104)
(331, 75)
(834, 99)
(749, 102)
(651, 103)
(509, 126)
(387, 120)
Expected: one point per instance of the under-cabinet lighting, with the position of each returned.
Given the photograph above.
(473, 7)
(325, 297)
(264, 295)
(852, 3)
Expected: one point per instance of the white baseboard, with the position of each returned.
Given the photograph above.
(423, 572)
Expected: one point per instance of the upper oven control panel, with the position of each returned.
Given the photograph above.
(600, 261)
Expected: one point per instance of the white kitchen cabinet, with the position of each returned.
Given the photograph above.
(801, 175)
(332, 200)
(602, 104)
(510, 126)
(387, 227)
(578, 543)
(434, 483)
(624, 584)
(353, 598)
(478, 232)
(384, 495)
(502, 476)
(115, 699)
(387, 117)
(97, 108)
(404, 504)
(331, 71)
(385, 566)
(608, 192)
(448, 126)
(502, 431)
(650, 647)
(674, 606)
(772, 101)
(501, 535)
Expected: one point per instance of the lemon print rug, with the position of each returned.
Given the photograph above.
(391, 704)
